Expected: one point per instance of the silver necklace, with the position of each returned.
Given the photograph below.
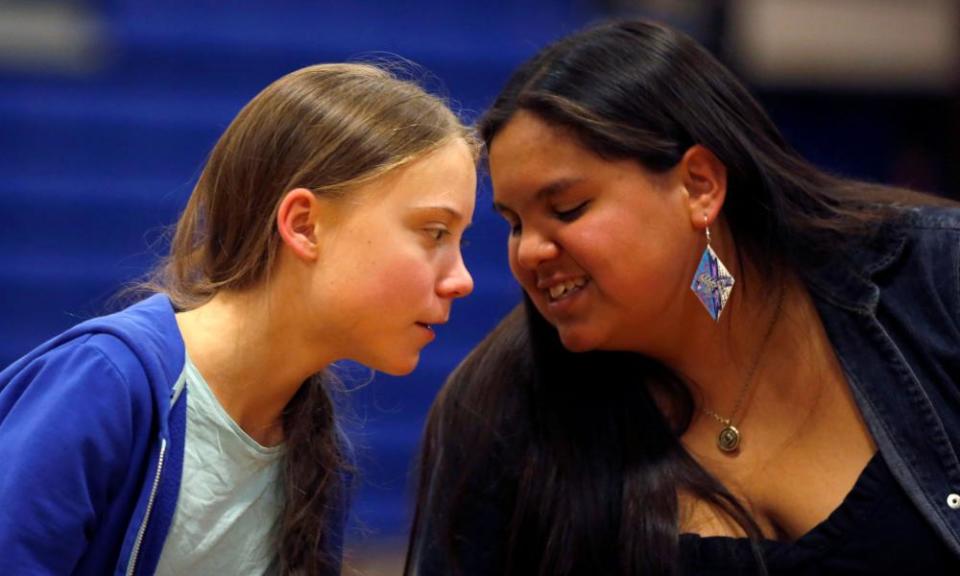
(729, 438)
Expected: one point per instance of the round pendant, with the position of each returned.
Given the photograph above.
(729, 439)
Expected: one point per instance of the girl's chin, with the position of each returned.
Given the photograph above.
(396, 366)
(576, 341)
(399, 370)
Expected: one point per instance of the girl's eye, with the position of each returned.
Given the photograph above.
(572, 213)
(437, 234)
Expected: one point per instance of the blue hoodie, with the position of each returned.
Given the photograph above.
(92, 428)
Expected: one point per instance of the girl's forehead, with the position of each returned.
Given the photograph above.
(528, 130)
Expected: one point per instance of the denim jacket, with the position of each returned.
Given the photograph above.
(892, 313)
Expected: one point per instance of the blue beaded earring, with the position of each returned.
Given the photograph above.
(712, 283)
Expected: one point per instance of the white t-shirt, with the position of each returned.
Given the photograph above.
(230, 496)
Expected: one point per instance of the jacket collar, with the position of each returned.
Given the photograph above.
(847, 280)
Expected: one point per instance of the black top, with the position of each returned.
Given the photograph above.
(875, 530)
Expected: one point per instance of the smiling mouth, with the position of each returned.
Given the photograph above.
(566, 289)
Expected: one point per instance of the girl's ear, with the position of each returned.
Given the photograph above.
(298, 222)
(704, 177)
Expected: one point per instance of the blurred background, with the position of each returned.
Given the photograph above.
(109, 108)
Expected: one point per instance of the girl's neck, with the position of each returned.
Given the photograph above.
(720, 360)
(243, 345)
(759, 366)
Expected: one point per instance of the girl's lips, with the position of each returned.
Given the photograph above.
(557, 286)
(427, 331)
(568, 299)
(565, 289)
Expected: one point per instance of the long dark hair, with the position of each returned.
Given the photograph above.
(583, 464)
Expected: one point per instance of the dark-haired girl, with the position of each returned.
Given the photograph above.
(728, 361)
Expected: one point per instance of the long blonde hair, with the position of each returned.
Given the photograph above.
(327, 128)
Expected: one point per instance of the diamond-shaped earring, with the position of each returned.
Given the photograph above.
(712, 283)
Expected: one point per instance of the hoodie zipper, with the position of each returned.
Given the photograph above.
(146, 517)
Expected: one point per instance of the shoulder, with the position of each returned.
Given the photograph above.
(74, 410)
(148, 330)
(930, 240)
(929, 231)
(946, 218)
(77, 417)
(907, 237)
(91, 381)
(914, 264)
(135, 354)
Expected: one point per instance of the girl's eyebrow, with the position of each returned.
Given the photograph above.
(450, 211)
(544, 192)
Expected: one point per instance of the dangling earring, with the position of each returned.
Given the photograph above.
(712, 283)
